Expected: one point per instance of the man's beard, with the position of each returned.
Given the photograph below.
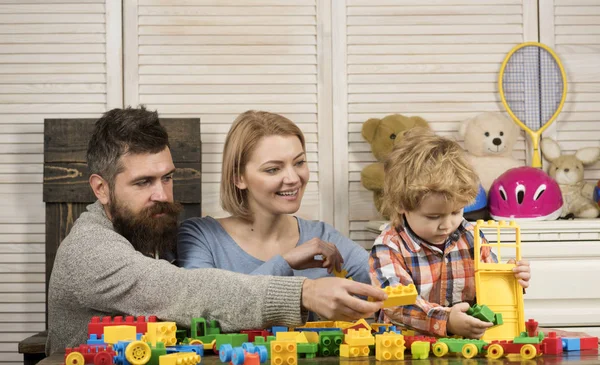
(147, 233)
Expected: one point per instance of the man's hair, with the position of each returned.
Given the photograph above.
(123, 131)
(243, 137)
(423, 163)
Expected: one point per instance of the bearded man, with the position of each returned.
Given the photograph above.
(110, 263)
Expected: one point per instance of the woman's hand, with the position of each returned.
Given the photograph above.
(303, 256)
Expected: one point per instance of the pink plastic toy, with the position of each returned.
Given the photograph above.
(525, 193)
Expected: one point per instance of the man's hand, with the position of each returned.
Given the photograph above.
(303, 256)
(522, 272)
(334, 298)
(462, 324)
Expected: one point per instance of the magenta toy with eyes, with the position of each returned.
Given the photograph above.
(525, 193)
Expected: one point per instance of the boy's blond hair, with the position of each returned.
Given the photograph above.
(422, 164)
(243, 137)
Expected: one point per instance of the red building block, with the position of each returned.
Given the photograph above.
(93, 354)
(252, 334)
(408, 340)
(553, 344)
(588, 343)
(531, 327)
(97, 324)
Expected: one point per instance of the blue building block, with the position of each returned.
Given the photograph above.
(571, 344)
(198, 349)
(94, 340)
(119, 348)
(276, 329)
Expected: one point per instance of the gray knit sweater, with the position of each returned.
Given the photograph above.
(97, 272)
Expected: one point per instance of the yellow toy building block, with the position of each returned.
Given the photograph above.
(420, 349)
(361, 337)
(179, 358)
(389, 346)
(161, 332)
(400, 295)
(114, 334)
(354, 351)
(297, 337)
(284, 353)
(342, 324)
(319, 324)
(311, 337)
(361, 323)
(495, 283)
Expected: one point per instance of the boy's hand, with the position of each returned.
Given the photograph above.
(461, 324)
(334, 298)
(522, 272)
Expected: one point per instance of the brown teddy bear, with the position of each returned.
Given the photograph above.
(381, 135)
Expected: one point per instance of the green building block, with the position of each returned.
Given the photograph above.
(419, 350)
(309, 350)
(485, 314)
(523, 338)
(329, 343)
(156, 352)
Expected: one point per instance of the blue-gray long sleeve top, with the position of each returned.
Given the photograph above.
(204, 243)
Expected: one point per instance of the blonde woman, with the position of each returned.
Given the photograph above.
(264, 176)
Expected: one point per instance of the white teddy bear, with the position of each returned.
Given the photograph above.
(489, 141)
(567, 170)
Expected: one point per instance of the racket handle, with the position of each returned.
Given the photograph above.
(536, 160)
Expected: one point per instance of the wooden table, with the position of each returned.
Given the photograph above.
(574, 357)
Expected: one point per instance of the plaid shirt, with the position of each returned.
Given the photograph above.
(442, 279)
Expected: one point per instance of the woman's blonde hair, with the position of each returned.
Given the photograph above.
(243, 137)
(422, 164)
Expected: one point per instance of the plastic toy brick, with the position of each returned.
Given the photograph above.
(410, 339)
(524, 338)
(588, 343)
(284, 352)
(311, 337)
(527, 351)
(163, 332)
(389, 346)
(419, 350)
(354, 351)
(361, 337)
(531, 326)
(319, 324)
(571, 344)
(247, 354)
(253, 333)
(114, 334)
(180, 358)
(553, 344)
(343, 324)
(94, 340)
(200, 327)
(276, 329)
(341, 274)
(319, 330)
(330, 342)
(400, 295)
(97, 324)
(199, 349)
(261, 341)
(484, 313)
(468, 348)
(361, 323)
(156, 352)
(297, 337)
(86, 354)
(309, 350)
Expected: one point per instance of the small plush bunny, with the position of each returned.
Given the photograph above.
(567, 170)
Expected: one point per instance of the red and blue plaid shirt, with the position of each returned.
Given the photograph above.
(442, 278)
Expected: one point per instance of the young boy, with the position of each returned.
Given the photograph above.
(428, 182)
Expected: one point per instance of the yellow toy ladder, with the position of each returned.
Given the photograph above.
(496, 285)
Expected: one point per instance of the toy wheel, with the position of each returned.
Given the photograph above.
(238, 356)
(74, 358)
(249, 347)
(495, 351)
(196, 342)
(469, 350)
(138, 353)
(103, 358)
(440, 349)
(225, 352)
(528, 352)
(263, 354)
